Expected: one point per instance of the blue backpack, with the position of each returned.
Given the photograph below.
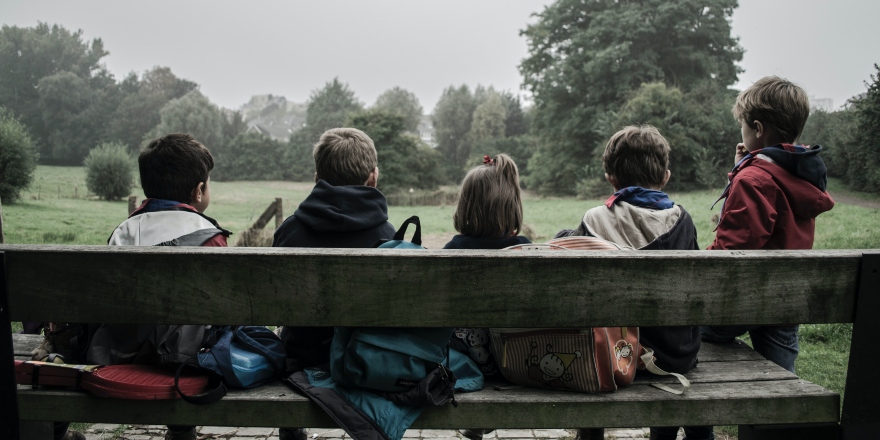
(240, 357)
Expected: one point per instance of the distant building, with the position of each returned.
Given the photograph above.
(273, 116)
(825, 104)
(426, 130)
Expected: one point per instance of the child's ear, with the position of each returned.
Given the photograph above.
(373, 180)
(759, 129)
(197, 193)
(613, 181)
(665, 179)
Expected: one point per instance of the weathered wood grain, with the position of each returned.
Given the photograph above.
(23, 345)
(724, 352)
(785, 401)
(431, 288)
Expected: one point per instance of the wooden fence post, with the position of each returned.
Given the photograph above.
(279, 213)
(132, 204)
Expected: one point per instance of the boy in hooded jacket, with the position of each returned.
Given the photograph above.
(776, 191)
(641, 216)
(344, 210)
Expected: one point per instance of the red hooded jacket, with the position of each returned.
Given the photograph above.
(773, 201)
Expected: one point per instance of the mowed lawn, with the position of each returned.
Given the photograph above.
(58, 210)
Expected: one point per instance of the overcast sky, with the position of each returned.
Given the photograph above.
(238, 49)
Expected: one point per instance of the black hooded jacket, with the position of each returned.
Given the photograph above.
(330, 217)
(337, 217)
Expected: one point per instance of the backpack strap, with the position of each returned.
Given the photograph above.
(417, 237)
(215, 391)
(648, 360)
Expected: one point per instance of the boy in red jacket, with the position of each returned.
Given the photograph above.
(776, 191)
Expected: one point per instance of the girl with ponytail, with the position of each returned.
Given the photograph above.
(489, 215)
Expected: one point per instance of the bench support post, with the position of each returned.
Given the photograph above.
(859, 419)
(825, 431)
(9, 425)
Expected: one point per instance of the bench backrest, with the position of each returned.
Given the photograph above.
(428, 288)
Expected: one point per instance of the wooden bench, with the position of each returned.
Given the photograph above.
(731, 385)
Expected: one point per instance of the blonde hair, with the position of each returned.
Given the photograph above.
(638, 155)
(490, 202)
(777, 103)
(345, 156)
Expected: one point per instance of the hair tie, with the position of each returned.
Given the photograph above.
(488, 161)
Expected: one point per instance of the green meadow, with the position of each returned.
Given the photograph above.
(57, 209)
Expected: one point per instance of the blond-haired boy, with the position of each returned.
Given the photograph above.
(344, 210)
(776, 191)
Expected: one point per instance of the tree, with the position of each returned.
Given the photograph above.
(404, 103)
(835, 132)
(698, 126)
(109, 171)
(452, 119)
(404, 161)
(195, 115)
(18, 157)
(585, 58)
(250, 156)
(45, 67)
(863, 158)
(140, 102)
(516, 123)
(488, 120)
(331, 106)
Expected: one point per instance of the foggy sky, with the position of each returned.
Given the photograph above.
(290, 48)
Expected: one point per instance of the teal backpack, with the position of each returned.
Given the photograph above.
(398, 241)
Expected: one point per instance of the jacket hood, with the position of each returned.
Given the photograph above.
(804, 164)
(342, 208)
(640, 228)
(806, 200)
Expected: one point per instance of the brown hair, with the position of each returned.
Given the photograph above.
(345, 156)
(777, 103)
(490, 203)
(638, 155)
(172, 166)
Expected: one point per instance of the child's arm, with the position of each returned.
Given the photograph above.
(748, 216)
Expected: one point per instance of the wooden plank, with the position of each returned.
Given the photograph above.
(279, 212)
(860, 410)
(9, 424)
(786, 401)
(726, 352)
(734, 371)
(267, 215)
(347, 287)
(23, 345)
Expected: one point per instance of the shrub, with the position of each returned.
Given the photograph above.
(18, 157)
(109, 171)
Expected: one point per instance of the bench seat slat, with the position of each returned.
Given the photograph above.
(769, 402)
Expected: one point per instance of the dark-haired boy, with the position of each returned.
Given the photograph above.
(344, 210)
(776, 191)
(175, 175)
(639, 215)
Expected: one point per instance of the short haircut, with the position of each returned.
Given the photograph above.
(172, 166)
(777, 103)
(345, 156)
(490, 202)
(638, 155)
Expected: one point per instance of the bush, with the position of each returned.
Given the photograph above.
(18, 157)
(109, 171)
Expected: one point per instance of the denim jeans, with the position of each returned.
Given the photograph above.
(777, 343)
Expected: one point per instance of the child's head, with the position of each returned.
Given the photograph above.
(346, 156)
(773, 110)
(176, 167)
(638, 155)
(490, 204)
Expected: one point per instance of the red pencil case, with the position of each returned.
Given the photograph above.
(141, 382)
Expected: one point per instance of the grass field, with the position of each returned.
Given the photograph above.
(57, 209)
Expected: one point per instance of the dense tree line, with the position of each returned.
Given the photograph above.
(849, 138)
